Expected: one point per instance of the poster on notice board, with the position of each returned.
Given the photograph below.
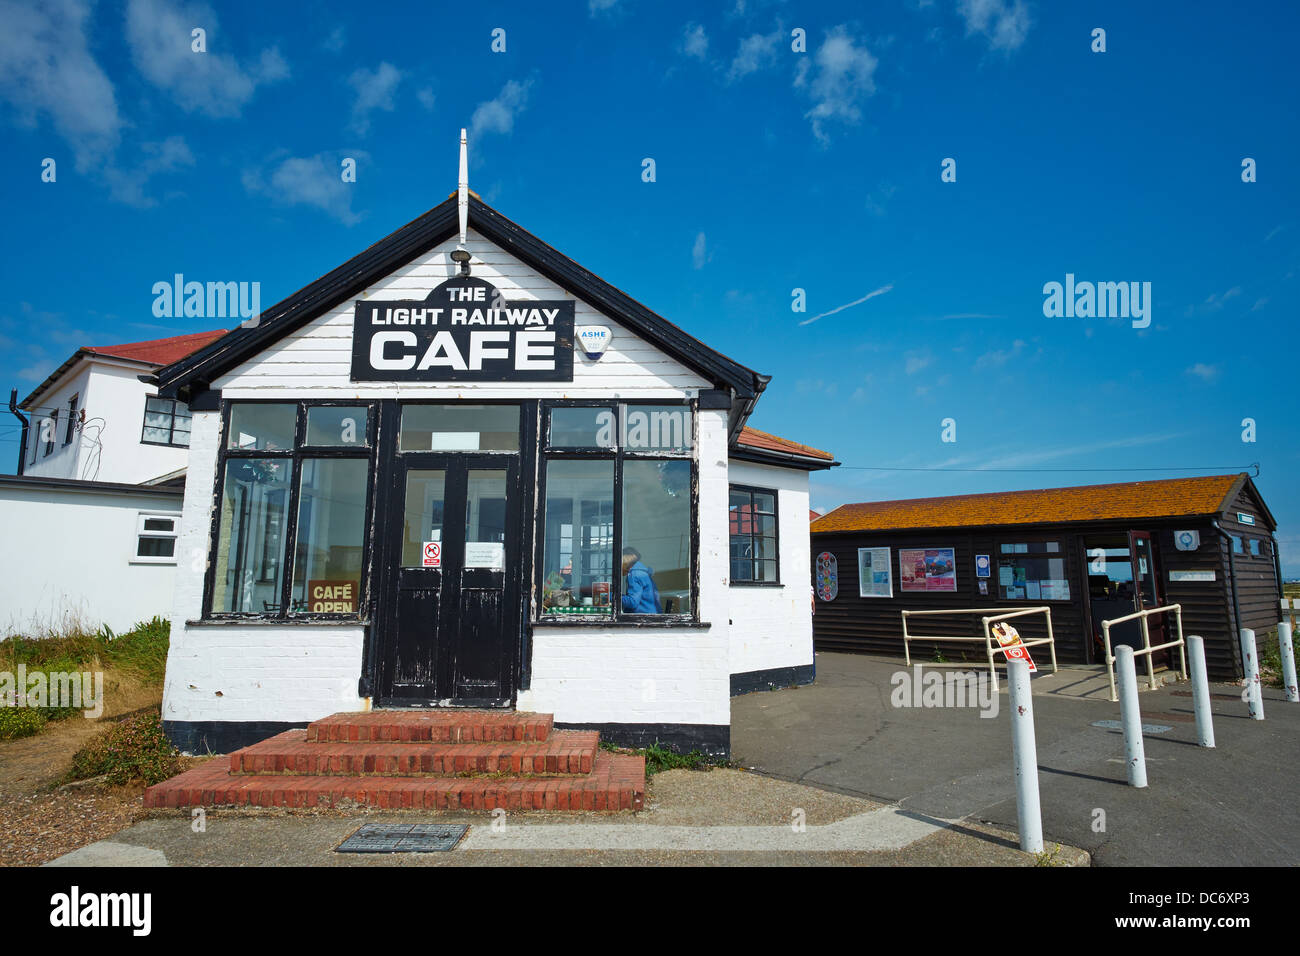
(927, 569)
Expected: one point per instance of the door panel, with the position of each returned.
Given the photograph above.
(452, 630)
(1147, 590)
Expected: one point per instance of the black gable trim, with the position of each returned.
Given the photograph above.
(196, 371)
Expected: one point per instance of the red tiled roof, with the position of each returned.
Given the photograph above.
(1172, 497)
(753, 438)
(158, 351)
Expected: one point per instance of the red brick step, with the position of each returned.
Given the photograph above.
(562, 752)
(616, 782)
(430, 726)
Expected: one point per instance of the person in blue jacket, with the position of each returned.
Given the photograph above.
(640, 596)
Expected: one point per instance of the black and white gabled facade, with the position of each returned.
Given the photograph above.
(233, 678)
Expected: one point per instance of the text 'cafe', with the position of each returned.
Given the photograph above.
(460, 470)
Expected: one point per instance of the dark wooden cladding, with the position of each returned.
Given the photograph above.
(874, 625)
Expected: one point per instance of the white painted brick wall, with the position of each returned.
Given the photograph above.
(650, 675)
(772, 627)
(250, 672)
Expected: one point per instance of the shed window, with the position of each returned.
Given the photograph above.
(156, 539)
(752, 523)
(1032, 571)
(1237, 547)
(618, 524)
(166, 422)
(1254, 547)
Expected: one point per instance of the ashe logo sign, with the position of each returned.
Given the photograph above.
(463, 331)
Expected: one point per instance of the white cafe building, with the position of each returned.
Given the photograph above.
(460, 470)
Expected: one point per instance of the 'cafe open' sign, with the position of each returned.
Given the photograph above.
(463, 331)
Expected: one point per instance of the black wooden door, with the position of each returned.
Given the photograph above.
(449, 629)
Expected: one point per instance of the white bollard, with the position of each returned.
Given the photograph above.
(1130, 717)
(1254, 692)
(1288, 661)
(1024, 752)
(1200, 690)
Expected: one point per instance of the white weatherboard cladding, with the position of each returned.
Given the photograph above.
(237, 672)
(650, 675)
(772, 627)
(315, 361)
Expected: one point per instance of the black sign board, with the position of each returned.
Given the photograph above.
(463, 331)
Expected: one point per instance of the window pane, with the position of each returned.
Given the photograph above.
(262, 427)
(181, 438)
(426, 489)
(250, 536)
(157, 434)
(656, 537)
(485, 519)
(1023, 576)
(764, 502)
(159, 524)
(765, 571)
(330, 534)
(665, 428)
(583, 428)
(156, 548)
(459, 428)
(765, 548)
(330, 425)
(163, 405)
(578, 535)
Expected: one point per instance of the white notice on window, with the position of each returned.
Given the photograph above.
(485, 554)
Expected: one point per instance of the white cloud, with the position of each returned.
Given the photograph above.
(1206, 373)
(699, 252)
(46, 69)
(335, 41)
(309, 181)
(837, 77)
(695, 42)
(754, 53)
(498, 115)
(840, 308)
(128, 186)
(213, 83)
(426, 98)
(1004, 22)
(999, 357)
(916, 361)
(595, 7)
(374, 89)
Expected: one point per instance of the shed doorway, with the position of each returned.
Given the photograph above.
(1123, 578)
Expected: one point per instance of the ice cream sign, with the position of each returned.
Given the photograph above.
(463, 331)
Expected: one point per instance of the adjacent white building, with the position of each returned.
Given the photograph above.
(461, 470)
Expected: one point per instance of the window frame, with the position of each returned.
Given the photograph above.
(618, 454)
(171, 430)
(141, 532)
(295, 455)
(72, 418)
(998, 555)
(751, 490)
(54, 427)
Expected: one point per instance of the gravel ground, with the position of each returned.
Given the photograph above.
(36, 828)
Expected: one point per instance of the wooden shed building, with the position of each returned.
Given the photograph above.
(1090, 553)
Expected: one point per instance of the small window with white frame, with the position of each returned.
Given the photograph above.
(156, 536)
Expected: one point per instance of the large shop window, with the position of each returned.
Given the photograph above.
(752, 521)
(618, 525)
(291, 524)
(1032, 571)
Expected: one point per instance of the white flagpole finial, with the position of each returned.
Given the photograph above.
(462, 200)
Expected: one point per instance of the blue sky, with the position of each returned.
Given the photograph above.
(775, 170)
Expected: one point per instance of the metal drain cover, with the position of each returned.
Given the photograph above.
(404, 838)
(1146, 728)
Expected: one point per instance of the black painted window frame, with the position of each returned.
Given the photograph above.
(300, 452)
(751, 490)
(618, 454)
(171, 428)
(998, 556)
(54, 427)
(72, 418)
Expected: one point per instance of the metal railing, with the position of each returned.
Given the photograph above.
(1146, 649)
(990, 645)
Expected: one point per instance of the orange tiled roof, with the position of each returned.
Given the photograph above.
(158, 351)
(1172, 497)
(753, 438)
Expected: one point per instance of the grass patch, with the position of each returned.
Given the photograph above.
(659, 757)
(16, 722)
(132, 749)
(1270, 658)
(141, 651)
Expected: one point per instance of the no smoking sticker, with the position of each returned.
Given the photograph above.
(432, 554)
